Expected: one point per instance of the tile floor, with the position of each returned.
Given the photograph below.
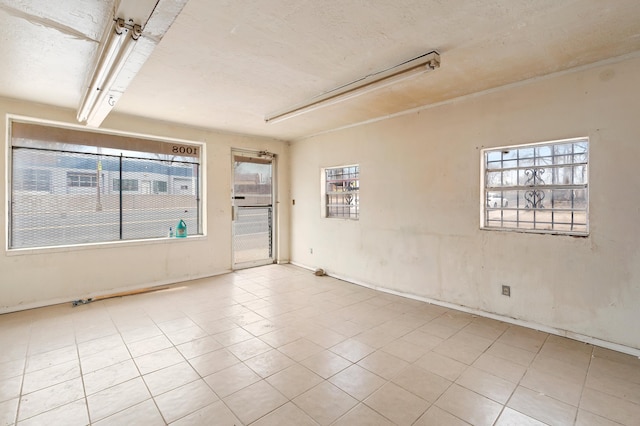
(277, 345)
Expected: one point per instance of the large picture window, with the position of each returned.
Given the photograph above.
(539, 187)
(72, 187)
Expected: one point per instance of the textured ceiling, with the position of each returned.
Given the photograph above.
(227, 64)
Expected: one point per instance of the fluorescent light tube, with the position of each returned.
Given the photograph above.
(411, 68)
(100, 110)
(117, 47)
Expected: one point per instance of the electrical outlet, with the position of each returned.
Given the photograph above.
(506, 290)
(311, 250)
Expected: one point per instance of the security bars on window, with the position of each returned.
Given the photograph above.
(537, 188)
(69, 193)
(343, 192)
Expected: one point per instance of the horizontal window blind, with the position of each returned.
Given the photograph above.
(62, 195)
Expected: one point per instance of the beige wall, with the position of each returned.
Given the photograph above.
(40, 277)
(419, 230)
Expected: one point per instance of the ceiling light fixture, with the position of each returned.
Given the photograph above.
(408, 69)
(119, 43)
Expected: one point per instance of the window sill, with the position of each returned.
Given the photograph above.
(99, 246)
(537, 231)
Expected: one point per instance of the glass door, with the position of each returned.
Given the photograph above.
(253, 209)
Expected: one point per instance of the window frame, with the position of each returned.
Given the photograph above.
(132, 185)
(36, 180)
(326, 193)
(486, 190)
(77, 177)
(159, 186)
(170, 145)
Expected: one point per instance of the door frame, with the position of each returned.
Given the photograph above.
(274, 188)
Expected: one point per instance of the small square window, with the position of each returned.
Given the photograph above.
(541, 188)
(342, 192)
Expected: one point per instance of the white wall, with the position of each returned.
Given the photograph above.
(419, 230)
(40, 277)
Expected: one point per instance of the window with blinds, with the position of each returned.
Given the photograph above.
(70, 187)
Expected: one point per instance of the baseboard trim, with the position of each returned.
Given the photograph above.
(62, 300)
(515, 321)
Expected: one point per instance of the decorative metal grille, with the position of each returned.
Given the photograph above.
(64, 198)
(343, 192)
(538, 188)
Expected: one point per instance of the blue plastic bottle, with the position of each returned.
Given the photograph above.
(181, 229)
